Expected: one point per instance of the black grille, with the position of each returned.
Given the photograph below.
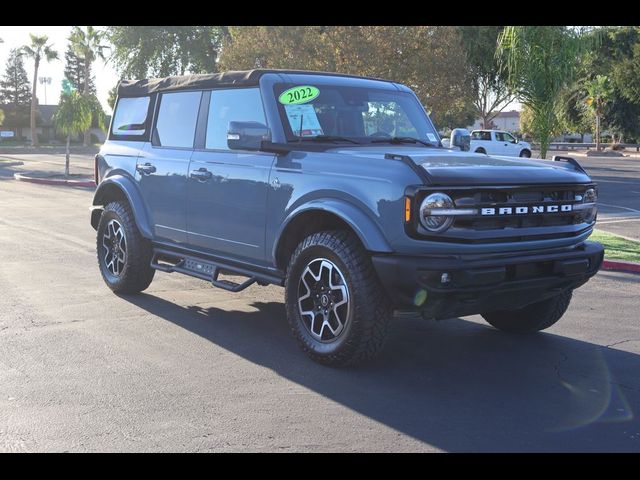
(516, 226)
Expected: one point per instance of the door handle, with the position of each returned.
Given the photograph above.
(202, 174)
(146, 168)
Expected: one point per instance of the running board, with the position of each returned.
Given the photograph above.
(170, 261)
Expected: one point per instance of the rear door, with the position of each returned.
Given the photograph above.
(162, 167)
(227, 190)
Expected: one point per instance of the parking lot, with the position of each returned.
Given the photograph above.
(185, 367)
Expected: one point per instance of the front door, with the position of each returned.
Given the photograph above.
(227, 190)
(163, 165)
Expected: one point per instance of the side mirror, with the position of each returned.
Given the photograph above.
(247, 135)
(461, 138)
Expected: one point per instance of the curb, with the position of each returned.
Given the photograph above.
(54, 181)
(618, 266)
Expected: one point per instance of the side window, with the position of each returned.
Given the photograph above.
(481, 135)
(240, 104)
(509, 138)
(177, 118)
(130, 116)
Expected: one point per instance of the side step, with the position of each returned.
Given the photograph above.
(169, 261)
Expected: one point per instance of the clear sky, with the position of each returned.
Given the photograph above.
(16, 36)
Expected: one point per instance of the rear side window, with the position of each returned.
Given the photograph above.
(240, 104)
(481, 136)
(130, 117)
(177, 118)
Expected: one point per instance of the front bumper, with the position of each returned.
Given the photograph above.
(482, 283)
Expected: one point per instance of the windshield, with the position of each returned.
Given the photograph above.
(351, 114)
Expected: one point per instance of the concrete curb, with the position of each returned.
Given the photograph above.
(619, 266)
(54, 181)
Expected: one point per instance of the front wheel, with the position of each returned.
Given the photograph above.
(531, 318)
(336, 307)
(124, 255)
(525, 153)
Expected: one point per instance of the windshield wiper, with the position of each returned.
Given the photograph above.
(402, 140)
(329, 138)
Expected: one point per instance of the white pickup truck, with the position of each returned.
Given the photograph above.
(498, 142)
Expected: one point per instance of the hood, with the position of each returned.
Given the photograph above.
(453, 167)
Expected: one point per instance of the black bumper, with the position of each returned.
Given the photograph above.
(481, 283)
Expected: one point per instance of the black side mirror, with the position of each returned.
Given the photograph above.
(460, 137)
(247, 135)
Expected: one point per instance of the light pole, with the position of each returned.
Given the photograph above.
(46, 81)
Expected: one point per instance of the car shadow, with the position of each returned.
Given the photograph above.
(457, 385)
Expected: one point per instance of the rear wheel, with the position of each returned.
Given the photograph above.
(481, 150)
(124, 255)
(531, 318)
(525, 153)
(336, 307)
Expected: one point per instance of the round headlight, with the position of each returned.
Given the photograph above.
(590, 196)
(428, 212)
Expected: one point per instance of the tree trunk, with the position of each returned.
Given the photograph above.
(597, 133)
(66, 163)
(87, 71)
(34, 101)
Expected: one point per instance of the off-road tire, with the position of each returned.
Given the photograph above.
(370, 310)
(525, 153)
(137, 274)
(531, 318)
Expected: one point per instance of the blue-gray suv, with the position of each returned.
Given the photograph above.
(338, 189)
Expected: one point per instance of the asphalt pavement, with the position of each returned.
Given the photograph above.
(618, 180)
(185, 367)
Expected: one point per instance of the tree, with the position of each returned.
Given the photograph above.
(599, 94)
(540, 62)
(74, 115)
(37, 50)
(15, 92)
(490, 82)
(144, 51)
(113, 94)
(87, 45)
(1, 115)
(427, 59)
(74, 70)
(613, 52)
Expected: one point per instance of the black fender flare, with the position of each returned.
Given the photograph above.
(128, 188)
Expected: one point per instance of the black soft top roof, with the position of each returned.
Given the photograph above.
(239, 78)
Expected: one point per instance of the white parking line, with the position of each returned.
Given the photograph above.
(618, 206)
(603, 222)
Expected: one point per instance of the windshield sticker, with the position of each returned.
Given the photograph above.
(431, 137)
(303, 120)
(298, 95)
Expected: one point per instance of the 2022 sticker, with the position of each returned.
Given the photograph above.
(298, 95)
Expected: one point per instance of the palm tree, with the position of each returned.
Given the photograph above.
(73, 116)
(599, 93)
(540, 61)
(37, 50)
(87, 45)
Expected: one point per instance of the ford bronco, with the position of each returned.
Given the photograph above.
(337, 188)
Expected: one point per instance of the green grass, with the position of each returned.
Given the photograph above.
(617, 248)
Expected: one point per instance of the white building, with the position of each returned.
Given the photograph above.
(509, 121)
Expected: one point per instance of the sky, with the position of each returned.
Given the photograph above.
(16, 36)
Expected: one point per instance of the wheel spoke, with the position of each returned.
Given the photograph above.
(323, 300)
(115, 244)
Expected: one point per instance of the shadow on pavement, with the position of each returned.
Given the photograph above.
(457, 385)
